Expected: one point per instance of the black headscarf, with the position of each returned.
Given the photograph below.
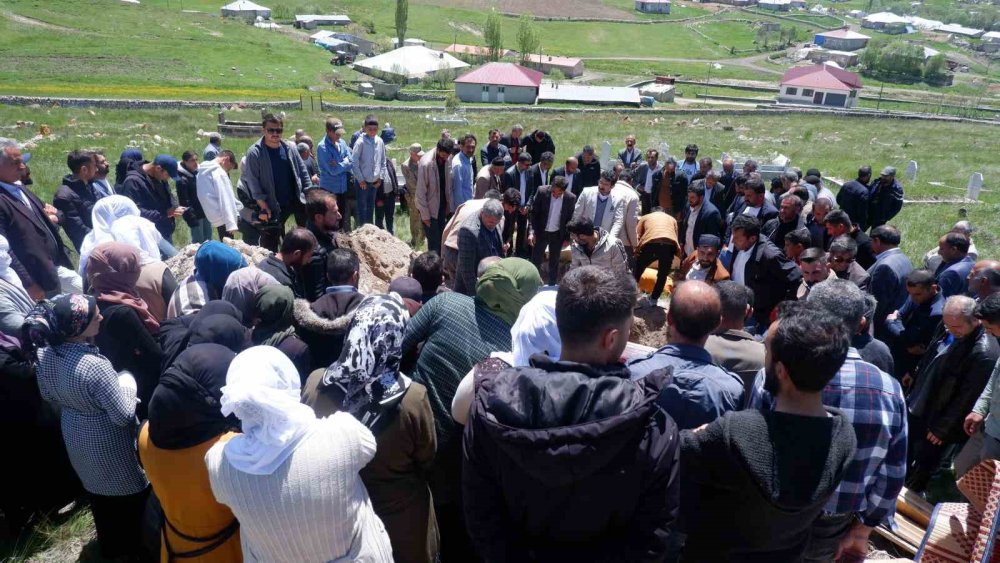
(219, 329)
(175, 334)
(185, 410)
(220, 307)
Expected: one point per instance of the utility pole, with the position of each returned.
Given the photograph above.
(878, 104)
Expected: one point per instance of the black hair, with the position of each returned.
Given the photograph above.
(691, 148)
(492, 193)
(625, 175)
(958, 241)
(428, 269)
(559, 182)
(511, 197)
(547, 156)
(590, 300)
(580, 226)
(271, 118)
(341, 265)
(734, 297)
(76, 160)
(298, 239)
(749, 225)
(370, 119)
(187, 155)
(799, 236)
(524, 157)
(812, 345)
(920, 277)
(609, 176)
(446, 145)
(865, 171)
(498, 161)
(756, 184)
(838, 217)
(231, 156)
(317, 202)
(887, 234)
(697, 188)
(811, 255)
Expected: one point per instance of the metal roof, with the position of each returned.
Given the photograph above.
(824, 76)
(503, 74)
(415, 61)
(843, 34)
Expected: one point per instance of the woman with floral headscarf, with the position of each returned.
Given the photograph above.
(128, 331)
(367, 383)
(98, 416)
(291, 479)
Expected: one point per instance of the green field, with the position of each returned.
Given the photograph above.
(835, 145)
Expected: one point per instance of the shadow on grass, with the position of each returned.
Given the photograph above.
(52, 537)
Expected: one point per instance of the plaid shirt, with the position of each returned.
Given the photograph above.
(873, 402)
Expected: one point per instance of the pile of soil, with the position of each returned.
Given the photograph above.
(649, 327)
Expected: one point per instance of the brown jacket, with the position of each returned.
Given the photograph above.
(396, 476)
(716, 273)
(428, 193)
(657, 226)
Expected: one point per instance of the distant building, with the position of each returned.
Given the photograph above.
(841, 40)
(886, 22)
(775, 5)
(365, 47)
(412, 42)
(592, 95)
(571, 67)
(412, 63)
(992, 37)
(474, 50)
(245, 9)
(312, 21)
(956, 29)
(820, 85)
(653, 6)
(499, 83)
(739, 3)
(842, 58)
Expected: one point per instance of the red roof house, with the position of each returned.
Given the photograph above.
(821, 84)
(500, 83)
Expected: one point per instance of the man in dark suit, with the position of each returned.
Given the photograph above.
(551, 211)
(590, 167)
(700, 218)
(571, 171)
(76, 197)
(146, 183)
(888, 276)
(537, 143)
(37, 251)
(541, 172)
(839, 223)
(519, 178)
(854, 197)
(647, 177)
(630, 156)
(514, 142)
(755, 204)
(953, 273)
(761, 266)
(729, 174)
(718, 193)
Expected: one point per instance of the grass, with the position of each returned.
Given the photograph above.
(835, 145)
(68, 537)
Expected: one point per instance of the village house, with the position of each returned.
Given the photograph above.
(820, 85)
(841, 40)
(499, 83)
(653, 6)
(571, 67)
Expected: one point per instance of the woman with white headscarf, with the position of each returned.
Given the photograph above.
(156, 283)
(366, 382)
(106, 211)
(14, 300)
(290, 478)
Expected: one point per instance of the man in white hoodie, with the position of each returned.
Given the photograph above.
(215, 192)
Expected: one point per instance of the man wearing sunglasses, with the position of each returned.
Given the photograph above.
(276, 177)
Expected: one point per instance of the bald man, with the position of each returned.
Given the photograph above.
(984, 279)
(700, 391)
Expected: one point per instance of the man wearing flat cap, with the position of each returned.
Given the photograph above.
(886, 198)
(704, 264)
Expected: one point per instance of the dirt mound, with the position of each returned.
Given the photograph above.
(649, 327)
(383, 257)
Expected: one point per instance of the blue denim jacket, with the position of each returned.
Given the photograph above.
(334, 161)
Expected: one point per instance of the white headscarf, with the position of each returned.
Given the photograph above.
(535, 330)
(6, 272)
(140, 233)
(263, 391)
(106, 211)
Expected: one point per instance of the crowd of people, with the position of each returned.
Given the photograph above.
(487, 406)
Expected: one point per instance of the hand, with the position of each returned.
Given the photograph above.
(854, 544)
(524, 211)
(264, 216)
(49, 210)
(973, 423)
(363, 185)
(176, 211)
(934, 439)
(907, 381)
(315, 180)
(506, 248)
(54, 218)
(916, 350)
(892, 316)
(377, 183)
(35, 292)
(427, 222)
(531, 239)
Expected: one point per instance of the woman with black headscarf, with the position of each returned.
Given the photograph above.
(272, 326)
(366, 381)
(185, 421)
(98, 416)
(219, 329)
(176, 332)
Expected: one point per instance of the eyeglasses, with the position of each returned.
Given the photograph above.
(839, 259)
(275, 130)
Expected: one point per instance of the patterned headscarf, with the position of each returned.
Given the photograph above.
(368, 369)
(52, 322)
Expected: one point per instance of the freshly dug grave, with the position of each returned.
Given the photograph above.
(649, 327)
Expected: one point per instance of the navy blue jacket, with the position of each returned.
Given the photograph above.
(75, 199)
(953, 278)
(884, 203)
(708, 222)
(888, 286)
(853, 198)
(153, 198)
(913, 326)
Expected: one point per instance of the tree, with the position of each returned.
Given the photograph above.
(493, 33)
(527, 37)
(934, 69)
(402, 13)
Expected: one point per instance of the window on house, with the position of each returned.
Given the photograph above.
(807, 92)
(791, 91)
(501, 89)
(486, 88)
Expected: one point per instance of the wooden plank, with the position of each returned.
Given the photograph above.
(914, 507)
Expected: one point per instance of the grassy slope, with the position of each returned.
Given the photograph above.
(834, 145)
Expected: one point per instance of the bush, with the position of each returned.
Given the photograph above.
(369, 26)
(451, 102)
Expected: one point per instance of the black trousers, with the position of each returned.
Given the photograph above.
(119, 522)
(250, 233)
(552, 242)
(509, 226)
(645, 202)
(271, 237)
(521, 249)
(663, 252)
(923, 457)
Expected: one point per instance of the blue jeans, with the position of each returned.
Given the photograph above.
(167, 250)
(366, 205)
(384, 213)
(201, 231)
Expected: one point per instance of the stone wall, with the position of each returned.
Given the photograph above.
(141, 104)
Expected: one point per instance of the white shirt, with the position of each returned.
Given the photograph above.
(648, 186)
(689, 235)
(555, 211)
(569, 181)
(524, 188)
(740, 264)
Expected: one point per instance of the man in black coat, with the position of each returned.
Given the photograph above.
(519, 177)
(631, 157)
(146, 183)
(646, 180)
(762, 267)
(541, 171)
(76, 197)
(571, 171)
(514, 142)
(590, 167)
(838, 223)
(537, 143)
(853, 197)
(323, 221)
(754, 204)
(187, 196)
(37, 251)
(592, 473)
(548, 224)
(700, 218)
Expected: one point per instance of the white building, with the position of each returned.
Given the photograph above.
(413, 63)
(311, 21)
(820, 85)
(246, 9)
(956, 29)
(653, 6)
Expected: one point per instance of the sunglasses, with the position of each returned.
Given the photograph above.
(275, 130)
(840, 259)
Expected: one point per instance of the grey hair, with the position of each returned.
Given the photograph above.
(870, 305)
(790, 175)
(302, 147)
(844, 243)
(7, 143)
(493, 208)
(825, 202)
(485, 263)
(517, 127)
(842, 299)
(963, 227)
(961, 305)
(714, 174)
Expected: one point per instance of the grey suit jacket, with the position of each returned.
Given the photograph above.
(739, 352)
(614, 216)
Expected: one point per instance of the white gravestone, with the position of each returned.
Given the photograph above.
(911, 171)
(606, 155)
(975, 185)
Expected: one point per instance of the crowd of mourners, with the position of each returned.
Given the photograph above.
(488, 406)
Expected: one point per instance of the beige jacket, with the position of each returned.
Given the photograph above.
(428, 194)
